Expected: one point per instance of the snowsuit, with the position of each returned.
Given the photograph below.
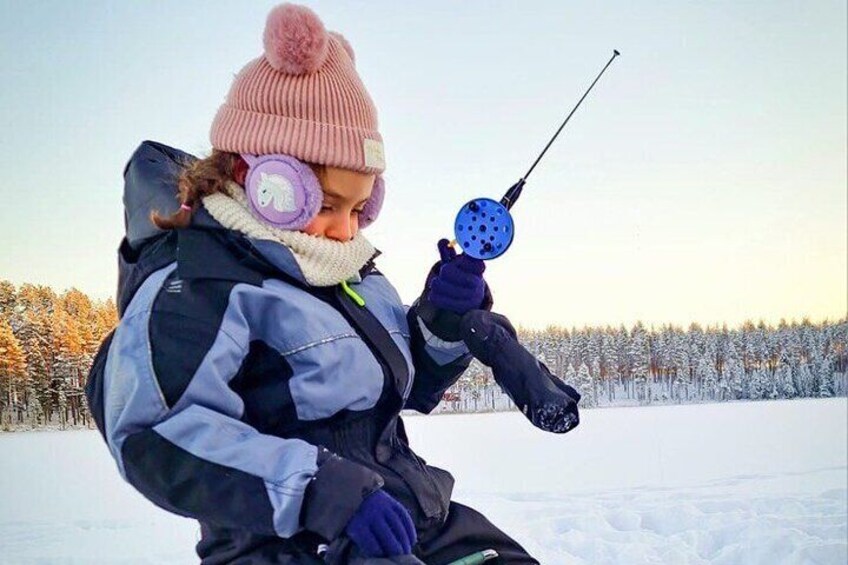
(235, 393)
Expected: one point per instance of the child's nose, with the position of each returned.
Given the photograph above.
(342, 228)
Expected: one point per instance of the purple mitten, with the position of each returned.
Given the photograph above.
(382, 527)
(459, 285)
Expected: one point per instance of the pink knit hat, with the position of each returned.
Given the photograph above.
(302, 98)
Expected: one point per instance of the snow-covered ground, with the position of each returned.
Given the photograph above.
(753, 482)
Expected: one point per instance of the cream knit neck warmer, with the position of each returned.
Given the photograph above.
(324, 262)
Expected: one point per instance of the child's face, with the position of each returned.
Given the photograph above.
(345, 193)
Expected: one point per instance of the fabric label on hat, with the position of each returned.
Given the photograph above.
(373, 150)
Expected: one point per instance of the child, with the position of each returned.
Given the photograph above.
(256, 377)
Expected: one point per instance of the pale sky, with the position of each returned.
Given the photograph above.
(703, 180)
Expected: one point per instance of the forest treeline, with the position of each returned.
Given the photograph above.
(671, 365)
(48, 342)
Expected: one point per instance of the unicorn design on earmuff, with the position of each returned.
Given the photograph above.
(285, 193)
(276, 189)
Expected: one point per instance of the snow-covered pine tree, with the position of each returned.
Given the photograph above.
(34, 415)
(825, 377)
(759, 386)
(805, 380)
(595, 372)
(735, 372)
(730, 374)
(774, 394)
(639, 355)
(82, 310)
(765, 342)
(550, 340)
(839, 347)
(578, 347)
(749, 351)
(696, 349)
(610, 364)
(770, 345)
(622, 344)
(586, 387)
(792, 345)
(682, 377)
(565, 350)
(475, 377)
(662, 358)
(705, 374)
(593, 345)
(724, 389)
(571, 377)
(34, 330)
(783, 381)
(67, 366)
(711, 346)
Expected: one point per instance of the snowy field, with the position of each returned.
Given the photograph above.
(759, 482)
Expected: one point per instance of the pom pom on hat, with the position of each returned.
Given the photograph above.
(295, 40)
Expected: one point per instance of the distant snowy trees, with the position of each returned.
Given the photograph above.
(612, 366)
(47, 343)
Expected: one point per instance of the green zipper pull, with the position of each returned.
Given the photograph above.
(476, 558)
(353, 296)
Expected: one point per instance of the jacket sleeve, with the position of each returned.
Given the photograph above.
(175, 431)
(438, 363)
(438, 352)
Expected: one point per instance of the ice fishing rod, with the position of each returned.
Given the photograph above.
(484, 228)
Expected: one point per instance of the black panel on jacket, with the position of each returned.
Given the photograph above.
(183, 330)
(218, 254)
(263, 385)
(94, 384)
(135, 265)
(184, 484)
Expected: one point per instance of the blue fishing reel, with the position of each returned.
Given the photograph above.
(484, 228)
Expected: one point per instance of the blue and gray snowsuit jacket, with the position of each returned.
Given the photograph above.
(234, 393)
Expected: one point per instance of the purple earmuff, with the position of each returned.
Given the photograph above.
(372, 207)
(282, 191)
(285, 193)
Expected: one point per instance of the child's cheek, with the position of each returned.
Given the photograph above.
(314, 227)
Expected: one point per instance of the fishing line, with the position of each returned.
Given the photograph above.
(484, 228)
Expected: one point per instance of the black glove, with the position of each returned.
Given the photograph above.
(544, 399)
